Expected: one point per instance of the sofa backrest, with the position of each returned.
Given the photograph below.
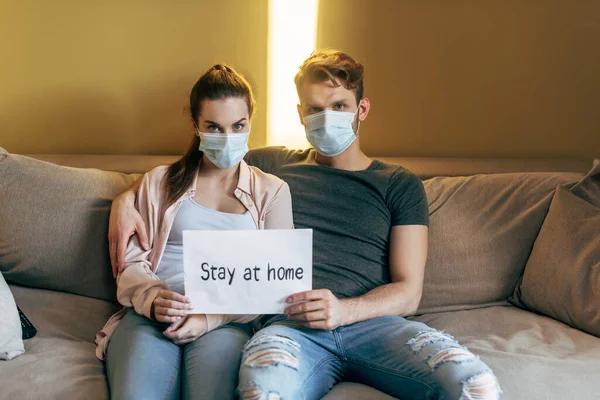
(482, 226)
(424, 167)
(481, 232)
(54, 225)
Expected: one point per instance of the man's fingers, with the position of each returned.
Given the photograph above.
(309, 295)
(319, 315)
(304, 307)
(140, 229)
(121, 251)
(113, 256)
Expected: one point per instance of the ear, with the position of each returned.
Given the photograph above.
(299, 108)
(363, 110)
(195, 126)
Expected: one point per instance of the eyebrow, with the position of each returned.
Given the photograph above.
(338, 101)
(214, 123)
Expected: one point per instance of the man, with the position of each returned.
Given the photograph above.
(370, 247)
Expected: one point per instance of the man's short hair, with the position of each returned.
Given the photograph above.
(335, 66)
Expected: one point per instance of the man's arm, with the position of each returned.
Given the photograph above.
(270, 159)
(408, 254)
(125, 221)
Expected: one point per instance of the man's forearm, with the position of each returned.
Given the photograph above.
(399, 298)
(118, 235)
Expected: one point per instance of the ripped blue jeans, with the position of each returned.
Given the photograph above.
(405, 359)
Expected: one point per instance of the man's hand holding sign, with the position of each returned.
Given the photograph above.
(316, 309)
(245, 272)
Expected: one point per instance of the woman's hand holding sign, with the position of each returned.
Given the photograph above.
(320, 309)
(187, 329)
(170, 306)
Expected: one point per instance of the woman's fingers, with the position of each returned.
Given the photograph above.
(167, 319)
(170, 306)
(168, 311)
(169, 295)
(176, 305)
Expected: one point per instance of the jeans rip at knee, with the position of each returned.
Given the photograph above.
(271, 350)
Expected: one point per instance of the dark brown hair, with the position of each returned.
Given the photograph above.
(219, 82)
(332, 65)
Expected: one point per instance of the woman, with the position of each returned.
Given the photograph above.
(156, 342)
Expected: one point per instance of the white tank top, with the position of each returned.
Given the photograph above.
(193, 216)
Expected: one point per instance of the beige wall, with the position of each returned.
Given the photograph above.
(113, 76)
(474, 78)
(461, 78)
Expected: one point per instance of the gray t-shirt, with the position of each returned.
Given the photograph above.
(351, 214)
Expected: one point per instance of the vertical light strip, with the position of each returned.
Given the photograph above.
(292, 38)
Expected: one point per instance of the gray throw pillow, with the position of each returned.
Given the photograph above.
(54, 226)
(562, 276)
(481, 231)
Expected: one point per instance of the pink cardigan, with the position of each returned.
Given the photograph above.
(265, 196)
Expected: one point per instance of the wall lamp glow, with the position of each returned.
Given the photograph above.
(292, 38)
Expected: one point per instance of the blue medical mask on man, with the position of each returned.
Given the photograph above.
(225, 150)
(331, 132)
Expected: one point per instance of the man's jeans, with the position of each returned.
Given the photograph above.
(142, 363)
(405, 359)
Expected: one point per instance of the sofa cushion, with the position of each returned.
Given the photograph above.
(61, 362)
(481, 231)
(54, 225)
(533, 356)
(11, 342)
(562, 276)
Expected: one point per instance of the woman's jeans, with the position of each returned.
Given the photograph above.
(142, 363)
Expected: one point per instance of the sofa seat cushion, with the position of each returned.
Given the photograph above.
(59, 362)
(532, 355)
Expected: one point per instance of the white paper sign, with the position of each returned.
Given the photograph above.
(246, 272)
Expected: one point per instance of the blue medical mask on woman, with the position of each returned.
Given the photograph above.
(225, 150)
(331, 132)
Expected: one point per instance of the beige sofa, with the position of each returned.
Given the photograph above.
(485, 217)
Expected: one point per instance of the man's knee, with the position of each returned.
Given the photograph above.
(269, 359)
(252, 391)
(447, 351)
(483, 386)
(271, 350)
